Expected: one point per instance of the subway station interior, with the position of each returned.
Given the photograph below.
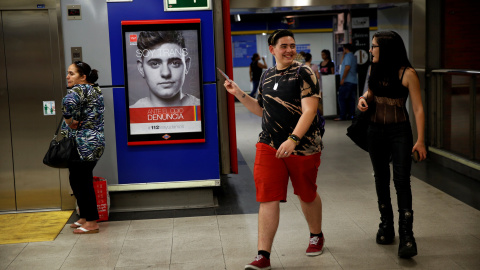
(187, 200)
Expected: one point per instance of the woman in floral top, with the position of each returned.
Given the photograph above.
(83, 110)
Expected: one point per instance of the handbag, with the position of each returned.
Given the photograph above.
(58, 154)
(357, 131)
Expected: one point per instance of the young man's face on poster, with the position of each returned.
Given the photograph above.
(164, 68)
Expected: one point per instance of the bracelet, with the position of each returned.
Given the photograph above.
(294, 138)
(362, 97)
(290, 138)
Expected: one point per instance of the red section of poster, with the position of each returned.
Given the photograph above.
(165, 114)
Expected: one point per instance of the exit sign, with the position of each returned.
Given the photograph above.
(186, 5)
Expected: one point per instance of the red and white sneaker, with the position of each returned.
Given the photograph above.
(260, 263)
(315, 246)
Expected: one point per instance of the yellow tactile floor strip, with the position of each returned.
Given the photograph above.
(32, 227)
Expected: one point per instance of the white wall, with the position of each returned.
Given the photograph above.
(91, 33)
(317, 41)
(396, 19)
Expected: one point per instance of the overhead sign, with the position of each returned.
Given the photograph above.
(360, 22)
(186, 5)
(244, 46)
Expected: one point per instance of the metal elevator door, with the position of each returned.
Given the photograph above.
(26, 80)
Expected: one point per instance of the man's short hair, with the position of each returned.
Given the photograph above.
(348, 46)
(277, 34)
(149, 39)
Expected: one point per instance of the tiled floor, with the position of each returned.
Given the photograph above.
(447, 230)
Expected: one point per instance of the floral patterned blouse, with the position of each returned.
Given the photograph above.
(84, 103)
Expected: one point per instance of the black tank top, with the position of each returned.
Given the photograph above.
(390, 102)
(256, 71)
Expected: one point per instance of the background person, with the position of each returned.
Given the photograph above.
(347, 92)
(308, 62)
(289, 144)
(163, 64)
(83, 110)
(327, 66)
(392, 80)
(256, 69)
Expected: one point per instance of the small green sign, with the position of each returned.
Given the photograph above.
(186, 5)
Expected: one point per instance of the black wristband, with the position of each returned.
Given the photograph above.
(295, 138)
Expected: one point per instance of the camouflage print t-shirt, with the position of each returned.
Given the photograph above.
(282, 107)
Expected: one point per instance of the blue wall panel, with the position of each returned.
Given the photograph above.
(164, 163)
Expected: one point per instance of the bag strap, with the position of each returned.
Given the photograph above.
(298, 69)
(58, 128)
(61, 120)
(83, 102)
(265, 76)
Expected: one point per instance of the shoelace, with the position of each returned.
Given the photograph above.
(258, 258)
(314, 240)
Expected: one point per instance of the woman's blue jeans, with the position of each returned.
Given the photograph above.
(392, 142)
(254, 88)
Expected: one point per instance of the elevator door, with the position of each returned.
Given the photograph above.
(27, 80)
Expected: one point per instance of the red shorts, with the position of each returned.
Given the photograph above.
(271, 175)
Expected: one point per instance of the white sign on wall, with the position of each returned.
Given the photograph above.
(360, 22)
(48, 108)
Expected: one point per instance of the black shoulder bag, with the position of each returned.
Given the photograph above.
(357, 131)
(58, 154)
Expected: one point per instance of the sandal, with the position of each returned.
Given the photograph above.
(82, 230)
(75, 225)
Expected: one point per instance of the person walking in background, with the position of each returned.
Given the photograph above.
(327, 66)
(347, 92)
(289, 144)
(392, 80)
(256, 69)
(308, 62)
(83, 110)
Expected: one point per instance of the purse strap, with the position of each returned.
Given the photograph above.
(61, 119)
(58, 128)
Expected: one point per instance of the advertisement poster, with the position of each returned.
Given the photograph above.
(163, 81)
(361, 41)
(244, 46)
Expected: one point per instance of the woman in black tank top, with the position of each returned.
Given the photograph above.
(391, 81)
(256, 70)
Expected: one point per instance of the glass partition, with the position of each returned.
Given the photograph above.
(455, 112)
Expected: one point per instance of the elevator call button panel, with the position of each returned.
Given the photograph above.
(74, 12)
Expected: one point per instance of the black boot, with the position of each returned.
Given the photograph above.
(386, 232)
(407, 247)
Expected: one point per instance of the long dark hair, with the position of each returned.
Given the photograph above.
(255, 57)
(392, 57)
(327, 53)
(85, 69)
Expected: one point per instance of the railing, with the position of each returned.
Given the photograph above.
(453, 112)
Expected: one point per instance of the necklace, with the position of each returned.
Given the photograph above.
(275, 86)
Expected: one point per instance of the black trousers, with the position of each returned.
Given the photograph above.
(392, 142)
(81, 181)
